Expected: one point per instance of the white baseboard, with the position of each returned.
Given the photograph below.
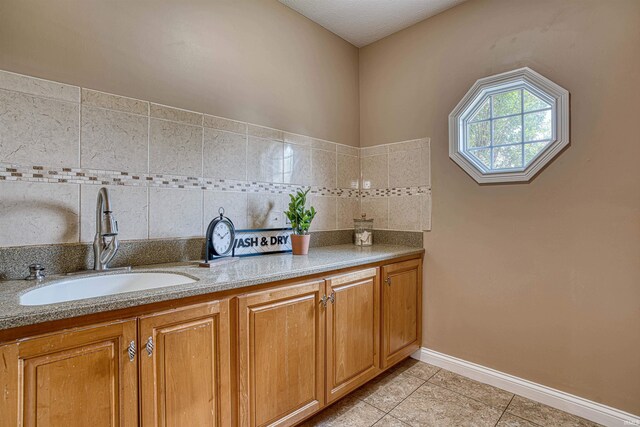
(584, 408)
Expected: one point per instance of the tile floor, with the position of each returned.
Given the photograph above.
(418, 394)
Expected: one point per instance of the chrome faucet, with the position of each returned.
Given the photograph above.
(105, 243)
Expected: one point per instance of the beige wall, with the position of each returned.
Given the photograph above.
(250, 60)
(540, 280)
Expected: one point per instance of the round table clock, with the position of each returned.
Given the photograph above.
(220, 238)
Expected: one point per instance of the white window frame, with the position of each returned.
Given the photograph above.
(537, 84)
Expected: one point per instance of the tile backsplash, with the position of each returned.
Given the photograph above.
(169, 170)
(396, 185)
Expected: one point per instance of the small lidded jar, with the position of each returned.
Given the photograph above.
(363, 231)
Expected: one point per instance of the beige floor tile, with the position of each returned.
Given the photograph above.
(484, 393)
(509, 420)
(348, 412)
(374, 384)
(545, 415)
(447, 399)
(389, 421)
(389, 394)
(361, 414)
(404, 365)
(432, 405)
(332, 412)
(422, 370)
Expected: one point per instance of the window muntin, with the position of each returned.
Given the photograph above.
(506, 129)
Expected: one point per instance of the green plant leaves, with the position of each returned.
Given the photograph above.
(300, 217)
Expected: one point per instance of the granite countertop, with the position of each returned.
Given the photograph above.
(242, 273)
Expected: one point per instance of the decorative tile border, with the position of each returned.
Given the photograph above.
(395, 192)
(53, 175)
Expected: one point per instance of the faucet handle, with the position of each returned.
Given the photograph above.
(36, 272)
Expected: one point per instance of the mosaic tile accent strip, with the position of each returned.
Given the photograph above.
(10, 172)
(395, 192)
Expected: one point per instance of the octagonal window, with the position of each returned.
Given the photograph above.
(508, 126)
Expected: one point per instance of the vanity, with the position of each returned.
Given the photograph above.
(265, 341)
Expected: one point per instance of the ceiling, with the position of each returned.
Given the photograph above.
(361, 22)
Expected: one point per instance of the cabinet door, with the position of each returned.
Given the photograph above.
(401, 310)
(281, 339)
(185, 367)
(353, 331)
(81, 377)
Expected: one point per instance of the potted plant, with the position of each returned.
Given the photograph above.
(300, 219)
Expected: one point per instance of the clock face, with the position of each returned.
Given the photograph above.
(222, 238)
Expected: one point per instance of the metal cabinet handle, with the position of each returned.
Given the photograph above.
(132, 351)
(323, 301)
(149, 346)
(388, 280)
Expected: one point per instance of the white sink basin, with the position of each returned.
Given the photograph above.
(98, 286)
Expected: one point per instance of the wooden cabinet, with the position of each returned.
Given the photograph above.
(83, 377)
(185, 367)
(401, 310)
(179, 360)
(352, 332)
(272, 357)
(281, 349)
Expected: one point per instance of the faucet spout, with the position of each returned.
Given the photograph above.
(105, 242)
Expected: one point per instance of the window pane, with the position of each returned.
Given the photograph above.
(507, 130)
(483, 155)
(507, 157)
(532, 102)
(537, 126)
(482, 113)
(507, 103)
(532, 150)
(479, 134)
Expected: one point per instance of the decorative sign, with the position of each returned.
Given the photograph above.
(262, 242)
